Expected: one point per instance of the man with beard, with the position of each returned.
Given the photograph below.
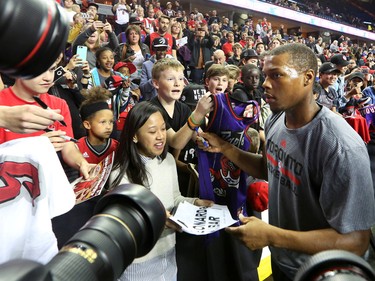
(163, 24)
(305, 189)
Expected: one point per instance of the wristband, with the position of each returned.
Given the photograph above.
(193, 121)
(191, 124)
(86, 76)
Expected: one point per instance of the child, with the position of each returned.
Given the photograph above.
(142, 158)
(217, 78)
(98, 121)
(169, 81)
(125, 68)
(234, 76)
(249, 90)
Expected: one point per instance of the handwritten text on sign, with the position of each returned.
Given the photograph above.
(202, 220)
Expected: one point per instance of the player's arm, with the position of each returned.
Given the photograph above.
(256, 234)
(251, 163)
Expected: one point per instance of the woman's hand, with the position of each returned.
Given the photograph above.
(171, 224)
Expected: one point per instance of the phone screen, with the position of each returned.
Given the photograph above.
(82, 52)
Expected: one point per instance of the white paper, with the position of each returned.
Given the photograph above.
(202, 220)
(181, 42)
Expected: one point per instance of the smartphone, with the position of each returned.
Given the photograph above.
(59, 73)
(102, 18)
(82, 52)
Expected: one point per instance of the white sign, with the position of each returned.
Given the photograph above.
(202, 220)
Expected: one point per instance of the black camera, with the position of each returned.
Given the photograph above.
(335, 265)
(43, 28)
(127, 223)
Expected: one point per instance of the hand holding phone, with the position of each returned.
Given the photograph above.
(82, 53)
(58, 74)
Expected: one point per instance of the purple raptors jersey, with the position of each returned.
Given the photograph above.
(220, 179)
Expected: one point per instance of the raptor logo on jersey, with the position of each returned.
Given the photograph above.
(13, 176)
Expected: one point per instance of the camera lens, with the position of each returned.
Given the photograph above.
(335, 265)
(39, 28)
(127, 224)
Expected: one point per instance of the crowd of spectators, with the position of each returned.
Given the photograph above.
(331, 10)
(218, 55)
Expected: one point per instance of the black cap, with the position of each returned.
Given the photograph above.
(339, 59)
(328, 67)
(249, 53)
(160, 42)
(134, 20)
(192, 93)
(356, 74)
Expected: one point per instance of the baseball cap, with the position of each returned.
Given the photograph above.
(339, 59)
(356, 74)
(366, 70)
(328, 67)
(134, 20)
(192, 93)
(248, 53)
(160, 42)
(129, 65)
(257, 195)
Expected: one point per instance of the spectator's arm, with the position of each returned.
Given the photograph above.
(146, 86)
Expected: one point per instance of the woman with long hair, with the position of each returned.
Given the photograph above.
(142, 158)
(134, 51)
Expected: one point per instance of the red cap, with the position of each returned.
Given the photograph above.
(129, 65)
(257, 195)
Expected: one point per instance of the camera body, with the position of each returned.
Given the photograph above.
(128, 221)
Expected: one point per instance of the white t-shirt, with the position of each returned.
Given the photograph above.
(34, 189)
(122, 14)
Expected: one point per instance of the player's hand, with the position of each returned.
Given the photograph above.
(253, 233)
(203, 203)
(215, 143)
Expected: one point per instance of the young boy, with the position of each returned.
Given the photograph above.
(169, 80)
(234, 76)
(217, 79)
(97, 119)
(25, 92)
(248, 90)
